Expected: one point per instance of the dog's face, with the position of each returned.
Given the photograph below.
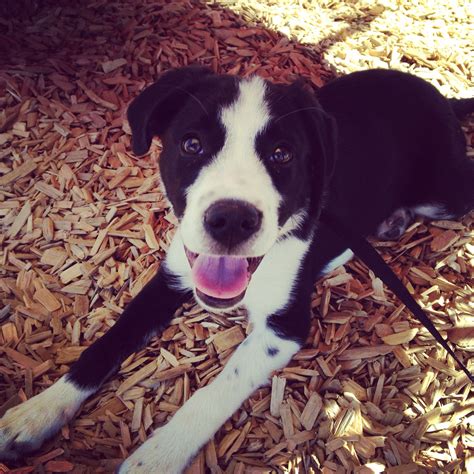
(244, 163)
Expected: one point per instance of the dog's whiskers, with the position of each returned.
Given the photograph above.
(195, 98)
(296, 111)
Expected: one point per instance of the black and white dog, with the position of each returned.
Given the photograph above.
(248, 166)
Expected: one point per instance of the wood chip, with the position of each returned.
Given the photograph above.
(400, 337)
(311, 411)
(278, 391)
(150, 237)
(227, 339)
(444, 240)
(59, 466)
(47, 299)
(21, 359)
(138, 376)
(171, 373)
(365, 352)
(23, 170)
(119, 177)
(287, 421)
(109, 66)
(20, 220)
(54, 256)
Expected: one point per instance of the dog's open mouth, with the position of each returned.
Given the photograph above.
(221, 280)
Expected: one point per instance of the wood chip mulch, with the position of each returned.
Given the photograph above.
(84, 226)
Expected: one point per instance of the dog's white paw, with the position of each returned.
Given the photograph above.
(160, 454)
(24, 428)
(395, 225)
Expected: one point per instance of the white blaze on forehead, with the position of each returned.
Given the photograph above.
(248, 115)
(236, 172)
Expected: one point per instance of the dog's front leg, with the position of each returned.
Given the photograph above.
(25, 427)
(173, 446)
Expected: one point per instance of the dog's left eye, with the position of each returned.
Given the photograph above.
(192, 146)
(281, 155)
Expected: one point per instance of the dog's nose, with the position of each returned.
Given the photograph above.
(231, 222)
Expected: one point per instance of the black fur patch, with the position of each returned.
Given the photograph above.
(299, 124)
(145, 315)
(183, 102)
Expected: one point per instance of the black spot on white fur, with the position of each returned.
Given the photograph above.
(272, 351)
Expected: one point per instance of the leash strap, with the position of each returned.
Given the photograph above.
(373, 260)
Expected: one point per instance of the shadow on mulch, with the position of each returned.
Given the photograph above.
(45, 35)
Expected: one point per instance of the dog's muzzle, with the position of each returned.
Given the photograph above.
(221, 278)
(230, 222)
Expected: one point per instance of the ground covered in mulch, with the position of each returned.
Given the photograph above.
(84, 226)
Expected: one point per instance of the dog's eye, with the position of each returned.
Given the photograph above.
(281, 155)
(192, 146)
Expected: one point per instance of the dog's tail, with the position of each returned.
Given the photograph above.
(462, 107)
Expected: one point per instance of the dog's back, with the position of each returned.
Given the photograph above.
(401, 139)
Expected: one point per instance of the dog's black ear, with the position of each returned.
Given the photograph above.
(323, 130)
(151, 112)
(328, 140)
(321, 126)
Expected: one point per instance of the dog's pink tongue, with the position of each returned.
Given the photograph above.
(220, 277)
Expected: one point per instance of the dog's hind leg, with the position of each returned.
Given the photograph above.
(25, 427)
(453, 195)
(453, 200)
(449, 177)
(394, 227)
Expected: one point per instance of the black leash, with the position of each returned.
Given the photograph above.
(373, 260)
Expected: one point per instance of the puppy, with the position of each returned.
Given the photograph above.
(248, 166)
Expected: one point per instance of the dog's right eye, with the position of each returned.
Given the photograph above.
(191, 145)
(281, 155)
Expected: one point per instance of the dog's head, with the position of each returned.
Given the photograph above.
(244, 164)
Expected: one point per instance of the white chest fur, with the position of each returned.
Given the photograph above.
(272, 284)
